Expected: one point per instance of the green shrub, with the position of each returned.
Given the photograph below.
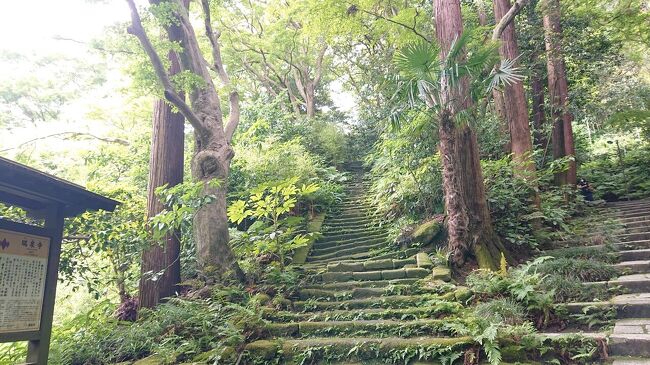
(505, 311)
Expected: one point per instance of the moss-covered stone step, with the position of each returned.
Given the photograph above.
(331, 247)
(359, 328)
(370, 265)
(330, 243)
(313, 350)
(389, 274)
(349, 285)
(359, 233)
(637, 236)
(346, 218)
(360, 293)
(434, 309)
(354, 249)
(395, 301)
(362, 256)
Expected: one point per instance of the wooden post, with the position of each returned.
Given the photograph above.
(38, 350)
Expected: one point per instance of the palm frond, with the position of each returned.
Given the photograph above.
(417, 60)
(507, 73)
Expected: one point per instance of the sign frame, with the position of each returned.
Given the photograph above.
(38, 341)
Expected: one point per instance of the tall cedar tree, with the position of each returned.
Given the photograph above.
(514, 98)
(212, 135)
(471, 235)
(165, 167)
(562, 137)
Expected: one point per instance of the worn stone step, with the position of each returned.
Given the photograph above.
(366, 248)
(396, 301)
(629, 344)
(329, 247)
(628, 220)
(639, 236)
(435, 310)
(267, 350)
(348, 285)
(370, 265)
(361, 293)
(639, 266)
(377, 328)
(645, 212)
(617, 360)
(351, 226)
(390, 274)
(635, 283)
(361, 233)
(627, 305)
(633, 255)
(369, 256)
(637, 224)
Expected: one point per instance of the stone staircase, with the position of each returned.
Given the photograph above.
(360, 303)
(629, 341)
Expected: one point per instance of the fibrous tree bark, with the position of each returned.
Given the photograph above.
(514, 97)
(212, 135)
(563, 144)
(471, 235)
(165, 168)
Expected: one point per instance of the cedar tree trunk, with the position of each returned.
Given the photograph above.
(165, 167)
(558, 91)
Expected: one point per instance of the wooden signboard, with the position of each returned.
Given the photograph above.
(23, 274)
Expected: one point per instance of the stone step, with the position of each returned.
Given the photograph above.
(362, 293)
(263, 351)
(352, 225)
(639, 266)
(630, 344)
(635, 283)
(361, 233)
(370, 265)
(438, 310)
(628, 220)
(368, 256)
(342, 217)
(633, 255)
(637, 224)
(632, 237)
(348, 285)
(645, 212)
(629, 207)
(627, 305)
(330, 247)
(376, 327)
(393, 302)
(403, 273)
(628, 361)
(366, 248)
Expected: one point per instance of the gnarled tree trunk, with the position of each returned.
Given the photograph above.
(563, 144)
(471, 235)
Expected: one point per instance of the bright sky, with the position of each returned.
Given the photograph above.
(35, 27)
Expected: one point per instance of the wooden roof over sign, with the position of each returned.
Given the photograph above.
(31, 189)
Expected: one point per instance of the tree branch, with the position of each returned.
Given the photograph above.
(319, 65)
(71, 135)
(379, 16)
(507, 19)
(234, 116)
(137, 30)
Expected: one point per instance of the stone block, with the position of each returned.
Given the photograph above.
(393, 274)
(367, 275)
(378, 264)
(441, 273)
(329, 277)
(424, 261)
(416, 272)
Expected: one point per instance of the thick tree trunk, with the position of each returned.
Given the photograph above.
(563, 144)
(310, 100)
(165, 167)
(471, 235)
(212, 162)
(516, 110)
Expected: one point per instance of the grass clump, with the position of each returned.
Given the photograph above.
(504, 310)
(579, 269)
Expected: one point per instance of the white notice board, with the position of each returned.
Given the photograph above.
(23, 269)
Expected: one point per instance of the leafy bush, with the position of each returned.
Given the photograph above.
(177, 330)
(620, 179)
(274, 231)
